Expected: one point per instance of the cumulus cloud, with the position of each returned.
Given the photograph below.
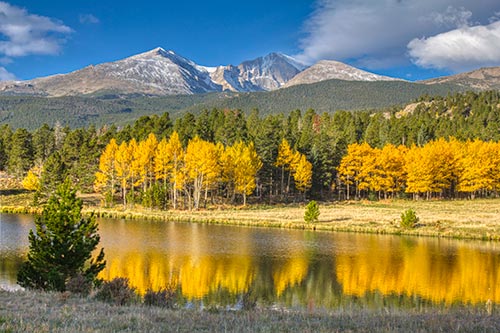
(370, 33)
(459, 49)
(88, 19)
(5, 75)
(22, 33)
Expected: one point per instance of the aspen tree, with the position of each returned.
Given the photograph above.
(106, 176)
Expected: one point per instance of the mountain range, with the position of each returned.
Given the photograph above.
(159, 72)
(158, 80)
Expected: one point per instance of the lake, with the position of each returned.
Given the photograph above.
(216, 265)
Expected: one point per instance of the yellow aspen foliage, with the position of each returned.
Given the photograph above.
(353, 168)
(390, 162)
(419, 179)
(479, 167)
(162, 161)
(32, 180)
(202, 165)
(433, 168)
(303, 174)
(145, 160)
(106, 176)
(245, 163)
(135, 177)
(177, 174)
(123, 163)
(285, 155)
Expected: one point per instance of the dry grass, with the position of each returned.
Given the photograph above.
(467, 219)
(48, 312)
(472, 219)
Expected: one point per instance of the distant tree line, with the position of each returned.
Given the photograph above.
(54, 153)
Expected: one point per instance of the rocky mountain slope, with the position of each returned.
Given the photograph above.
(264, 73)
(157, 72)
(328, 69)
(481, 79)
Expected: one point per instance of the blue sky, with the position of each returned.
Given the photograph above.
(410, 39)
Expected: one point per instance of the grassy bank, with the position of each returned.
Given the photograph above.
(51, 312)
(465, 219)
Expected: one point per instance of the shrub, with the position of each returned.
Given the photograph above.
(409, 219)
(248, 301)
(312, 212)
(78, 284)
(117, 291)
(165, 298)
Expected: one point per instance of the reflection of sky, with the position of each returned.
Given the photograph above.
(290, 266)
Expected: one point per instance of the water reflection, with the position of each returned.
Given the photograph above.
(295, 268)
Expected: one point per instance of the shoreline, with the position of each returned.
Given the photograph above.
(458, 219)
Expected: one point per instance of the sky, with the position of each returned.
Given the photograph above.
(408, 39)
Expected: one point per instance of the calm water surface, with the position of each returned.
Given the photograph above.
(218, 264)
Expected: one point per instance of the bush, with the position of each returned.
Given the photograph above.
(312, 212)
(409, 219)
(78, 284)
(117, 291)
(248, 301)
(165, 298)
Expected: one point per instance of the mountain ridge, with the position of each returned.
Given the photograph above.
(163, 72)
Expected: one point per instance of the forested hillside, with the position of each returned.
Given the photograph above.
(328, 96)
(281, 147)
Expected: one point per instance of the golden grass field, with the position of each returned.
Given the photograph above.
(466, 219)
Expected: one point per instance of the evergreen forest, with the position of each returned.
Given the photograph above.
(444, 147)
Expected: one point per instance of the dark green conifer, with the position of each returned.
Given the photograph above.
(62, 246)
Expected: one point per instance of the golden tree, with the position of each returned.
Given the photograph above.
(243, 163)
(106, 176)
(202, 166)
(32, 180)
(145, 160)
(303, 174)
(355, 167)
(123, 164)
(284, 160)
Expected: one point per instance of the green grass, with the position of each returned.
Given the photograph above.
(52, 312)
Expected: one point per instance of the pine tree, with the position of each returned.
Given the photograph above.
(62, 246)
(312, 212)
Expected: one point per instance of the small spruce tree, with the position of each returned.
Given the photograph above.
(62, 246)
(312, 212)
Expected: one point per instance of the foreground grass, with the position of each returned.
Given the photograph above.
(52, 312)
(465, 219)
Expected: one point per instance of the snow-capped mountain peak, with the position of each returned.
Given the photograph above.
(263, 73)
(164, 72)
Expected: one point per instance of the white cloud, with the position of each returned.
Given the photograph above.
(460, 49)
(368, 32)
(5, 75)
(22, 33)
(88, 19)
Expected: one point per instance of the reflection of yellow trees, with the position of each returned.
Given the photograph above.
(199, 278)
(291, 273)
(144, 270)
(462, 274)
(195, 277)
